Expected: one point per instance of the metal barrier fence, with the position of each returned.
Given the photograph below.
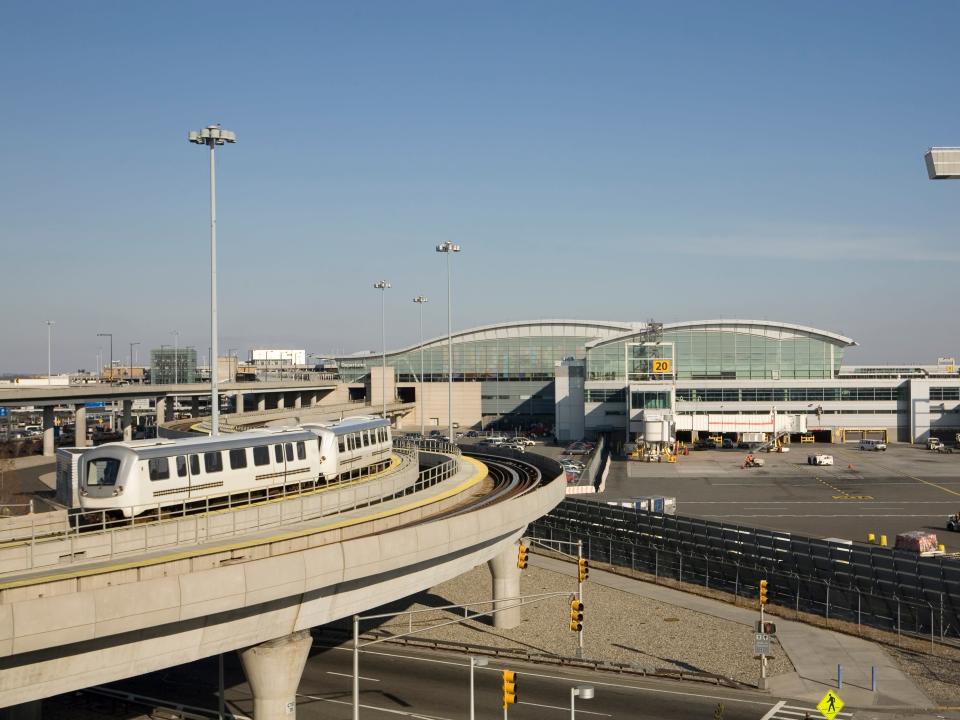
(878, 587)
(104, 538)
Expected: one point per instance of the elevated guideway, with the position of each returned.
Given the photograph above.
(86, 608)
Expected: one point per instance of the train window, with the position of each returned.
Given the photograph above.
(278, 453)
(350, 442)
(365, 437)
(194, 464)
(261, 455)
(238, 458)
(181, 465)
(159, 469)
(301, 451)
(289, 448)
(342, 443)
(213, 461)
(102, 471)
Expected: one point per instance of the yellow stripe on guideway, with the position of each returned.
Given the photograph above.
(480, 473)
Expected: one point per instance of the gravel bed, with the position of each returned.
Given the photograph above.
(618, 627)
(937, 675)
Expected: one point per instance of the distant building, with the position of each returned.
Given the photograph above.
(169, 365)
(272, 358)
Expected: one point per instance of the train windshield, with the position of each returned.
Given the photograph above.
(102, 471)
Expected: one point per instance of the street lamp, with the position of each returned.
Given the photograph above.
(420, 300)
(448, 248)
(109, 335)
(475, 662)
(132, 345)
(176, 356)
(382, 286)
(50, 324)
(584, 692)
(211, 136)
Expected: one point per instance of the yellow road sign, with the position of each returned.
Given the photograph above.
(830, 705)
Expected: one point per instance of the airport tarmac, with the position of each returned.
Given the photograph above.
(905, 488)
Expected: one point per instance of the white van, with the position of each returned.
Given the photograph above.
(873, 445)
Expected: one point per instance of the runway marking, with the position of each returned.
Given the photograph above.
(853, 497)
(405, 713)
(330, 672)
(567, 679)
(565, 709)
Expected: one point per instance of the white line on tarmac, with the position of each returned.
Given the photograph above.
(565, 709)
(374, 707)
(591, 681)
(330, 672)
(773, 711)
(837, 515)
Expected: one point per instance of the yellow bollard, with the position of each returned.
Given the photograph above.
(871, 538)
(941, 547)
(883, 541)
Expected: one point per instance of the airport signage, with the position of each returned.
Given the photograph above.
(3, 412)
(351, 365)
(94, 404)
(661, 366)
(761, 644)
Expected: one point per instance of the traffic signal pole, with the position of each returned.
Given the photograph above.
(580, 594)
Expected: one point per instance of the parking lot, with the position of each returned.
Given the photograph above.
(904, 488)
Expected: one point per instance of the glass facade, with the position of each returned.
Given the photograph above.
(710, 352)
(787, 394)
(169, 365)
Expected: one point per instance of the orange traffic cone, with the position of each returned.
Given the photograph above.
(849, 466)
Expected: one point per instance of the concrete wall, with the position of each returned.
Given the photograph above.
(433, 404)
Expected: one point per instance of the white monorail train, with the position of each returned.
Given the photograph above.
(132, 477)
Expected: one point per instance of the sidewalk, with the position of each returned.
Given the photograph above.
(814, 652)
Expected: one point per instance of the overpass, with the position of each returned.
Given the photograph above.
(295, 393)
(83, 608)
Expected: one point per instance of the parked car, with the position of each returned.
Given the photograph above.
(517, 447)
(729, 444)
(820, 459)
(705, 445)
(522, 441)
(873, 445)
(577, 448)
(473, 434)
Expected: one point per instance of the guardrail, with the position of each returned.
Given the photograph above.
(887, 589)
(102, 539)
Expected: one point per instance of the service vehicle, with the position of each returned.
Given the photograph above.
(934, 443)
(953, 522)
(520, 440)
(820, 459)
(873, 445)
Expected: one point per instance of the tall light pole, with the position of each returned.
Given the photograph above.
(109, 335)
(420, 300)
(176, 356)
(382, 286)
(132, 345)
(448, 248)
(50, 324)
(584, 692)
(211, 136)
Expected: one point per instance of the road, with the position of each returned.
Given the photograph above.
(397, 682)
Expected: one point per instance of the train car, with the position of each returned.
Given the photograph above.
(364, 445)
(132, 477)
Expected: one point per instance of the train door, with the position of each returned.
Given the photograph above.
(190, 466)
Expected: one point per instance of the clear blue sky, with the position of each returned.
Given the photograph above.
(617, 160)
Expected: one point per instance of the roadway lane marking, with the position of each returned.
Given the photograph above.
(837, 515)
(565, 709)
(330, 672)
(405, 713)
(561, 678)
(773, 711)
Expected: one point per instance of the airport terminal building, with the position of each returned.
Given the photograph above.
(711, 377)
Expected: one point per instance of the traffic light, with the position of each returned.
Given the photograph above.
(509, 688)
(583, 569)
(576, 615)
(763, 593)
(522, 556)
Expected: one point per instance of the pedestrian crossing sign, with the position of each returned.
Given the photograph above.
(830, 705)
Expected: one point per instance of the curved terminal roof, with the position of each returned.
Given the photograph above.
(767, 326)
(522, 328)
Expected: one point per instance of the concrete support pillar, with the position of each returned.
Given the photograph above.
(161, 410)
(273, 670)
(298, 400)
(80, 425)
(261, 402)
(48, 447)
(314, 398)
(238, 403)
(195, 406)
(281, 401)
(24, 711)
(506, 584)
(127, 420)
